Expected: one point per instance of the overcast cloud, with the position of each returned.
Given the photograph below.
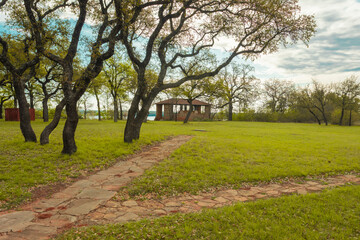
(333, 53)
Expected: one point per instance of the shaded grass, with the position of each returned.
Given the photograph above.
(334, 214)
(231, 153)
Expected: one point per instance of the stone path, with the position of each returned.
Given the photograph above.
(119, 211)
(46, 217)
(91, 201)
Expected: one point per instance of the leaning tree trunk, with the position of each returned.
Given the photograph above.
(317, 119)
(341, 116)
(116, 109)
(186, 120)
(69, 146)
(44, 137)
(25, 121)
(45, 109)
(230, 117)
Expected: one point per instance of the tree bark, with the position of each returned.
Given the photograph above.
(31, 94)
(25, 121)
(98, 104)
(44, 137)
(1, 109)
(341, 116)
(136, 117)
(2, 101)
(121, 110)
(350, 118)
(186, 120)
(15, 102)
(230, 118)
(69, 146)
(45, 110)
(116, 109)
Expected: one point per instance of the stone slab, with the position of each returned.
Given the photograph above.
(83, 206)
(16, 221)
(96, 193)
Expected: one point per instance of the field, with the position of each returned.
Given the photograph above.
(292, 217)
(221, 154)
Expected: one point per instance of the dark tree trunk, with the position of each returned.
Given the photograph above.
(317, 119)
(1, 109)
(341, 116)
(25, 121)
(31, 94)
(350, 118)
(69, 146)
(45, 110)
(116, 109)
(15, 102)
(325, 119)
(98, 104)
(121, 110)
(186, 120)
(44, 137)
(230, 110)
(136, 117)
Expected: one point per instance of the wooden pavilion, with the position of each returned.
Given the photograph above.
(176, 109)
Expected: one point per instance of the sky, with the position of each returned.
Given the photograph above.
(333, 53)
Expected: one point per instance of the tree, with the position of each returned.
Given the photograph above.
(237, 85)
(18, 58)
(278, 94)
(48, 75)
(118, 73)
(347, 93)
(175, 33)
(5, 95)
(102, 48)
(96, 88)
(321, 99)
(303, 98)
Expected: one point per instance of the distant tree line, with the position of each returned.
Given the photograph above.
(283, 101)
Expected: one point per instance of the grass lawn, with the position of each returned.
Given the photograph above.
(231, 153)
(334, 214)
(24, 166)
(228, 153)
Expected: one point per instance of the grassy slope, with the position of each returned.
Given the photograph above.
(232, 153)
(334, 214)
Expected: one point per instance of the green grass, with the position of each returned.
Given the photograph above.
(334, 214)
(227, 154)
(24, 166)
(232, 153)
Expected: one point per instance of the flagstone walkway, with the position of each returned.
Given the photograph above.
(91, 201)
